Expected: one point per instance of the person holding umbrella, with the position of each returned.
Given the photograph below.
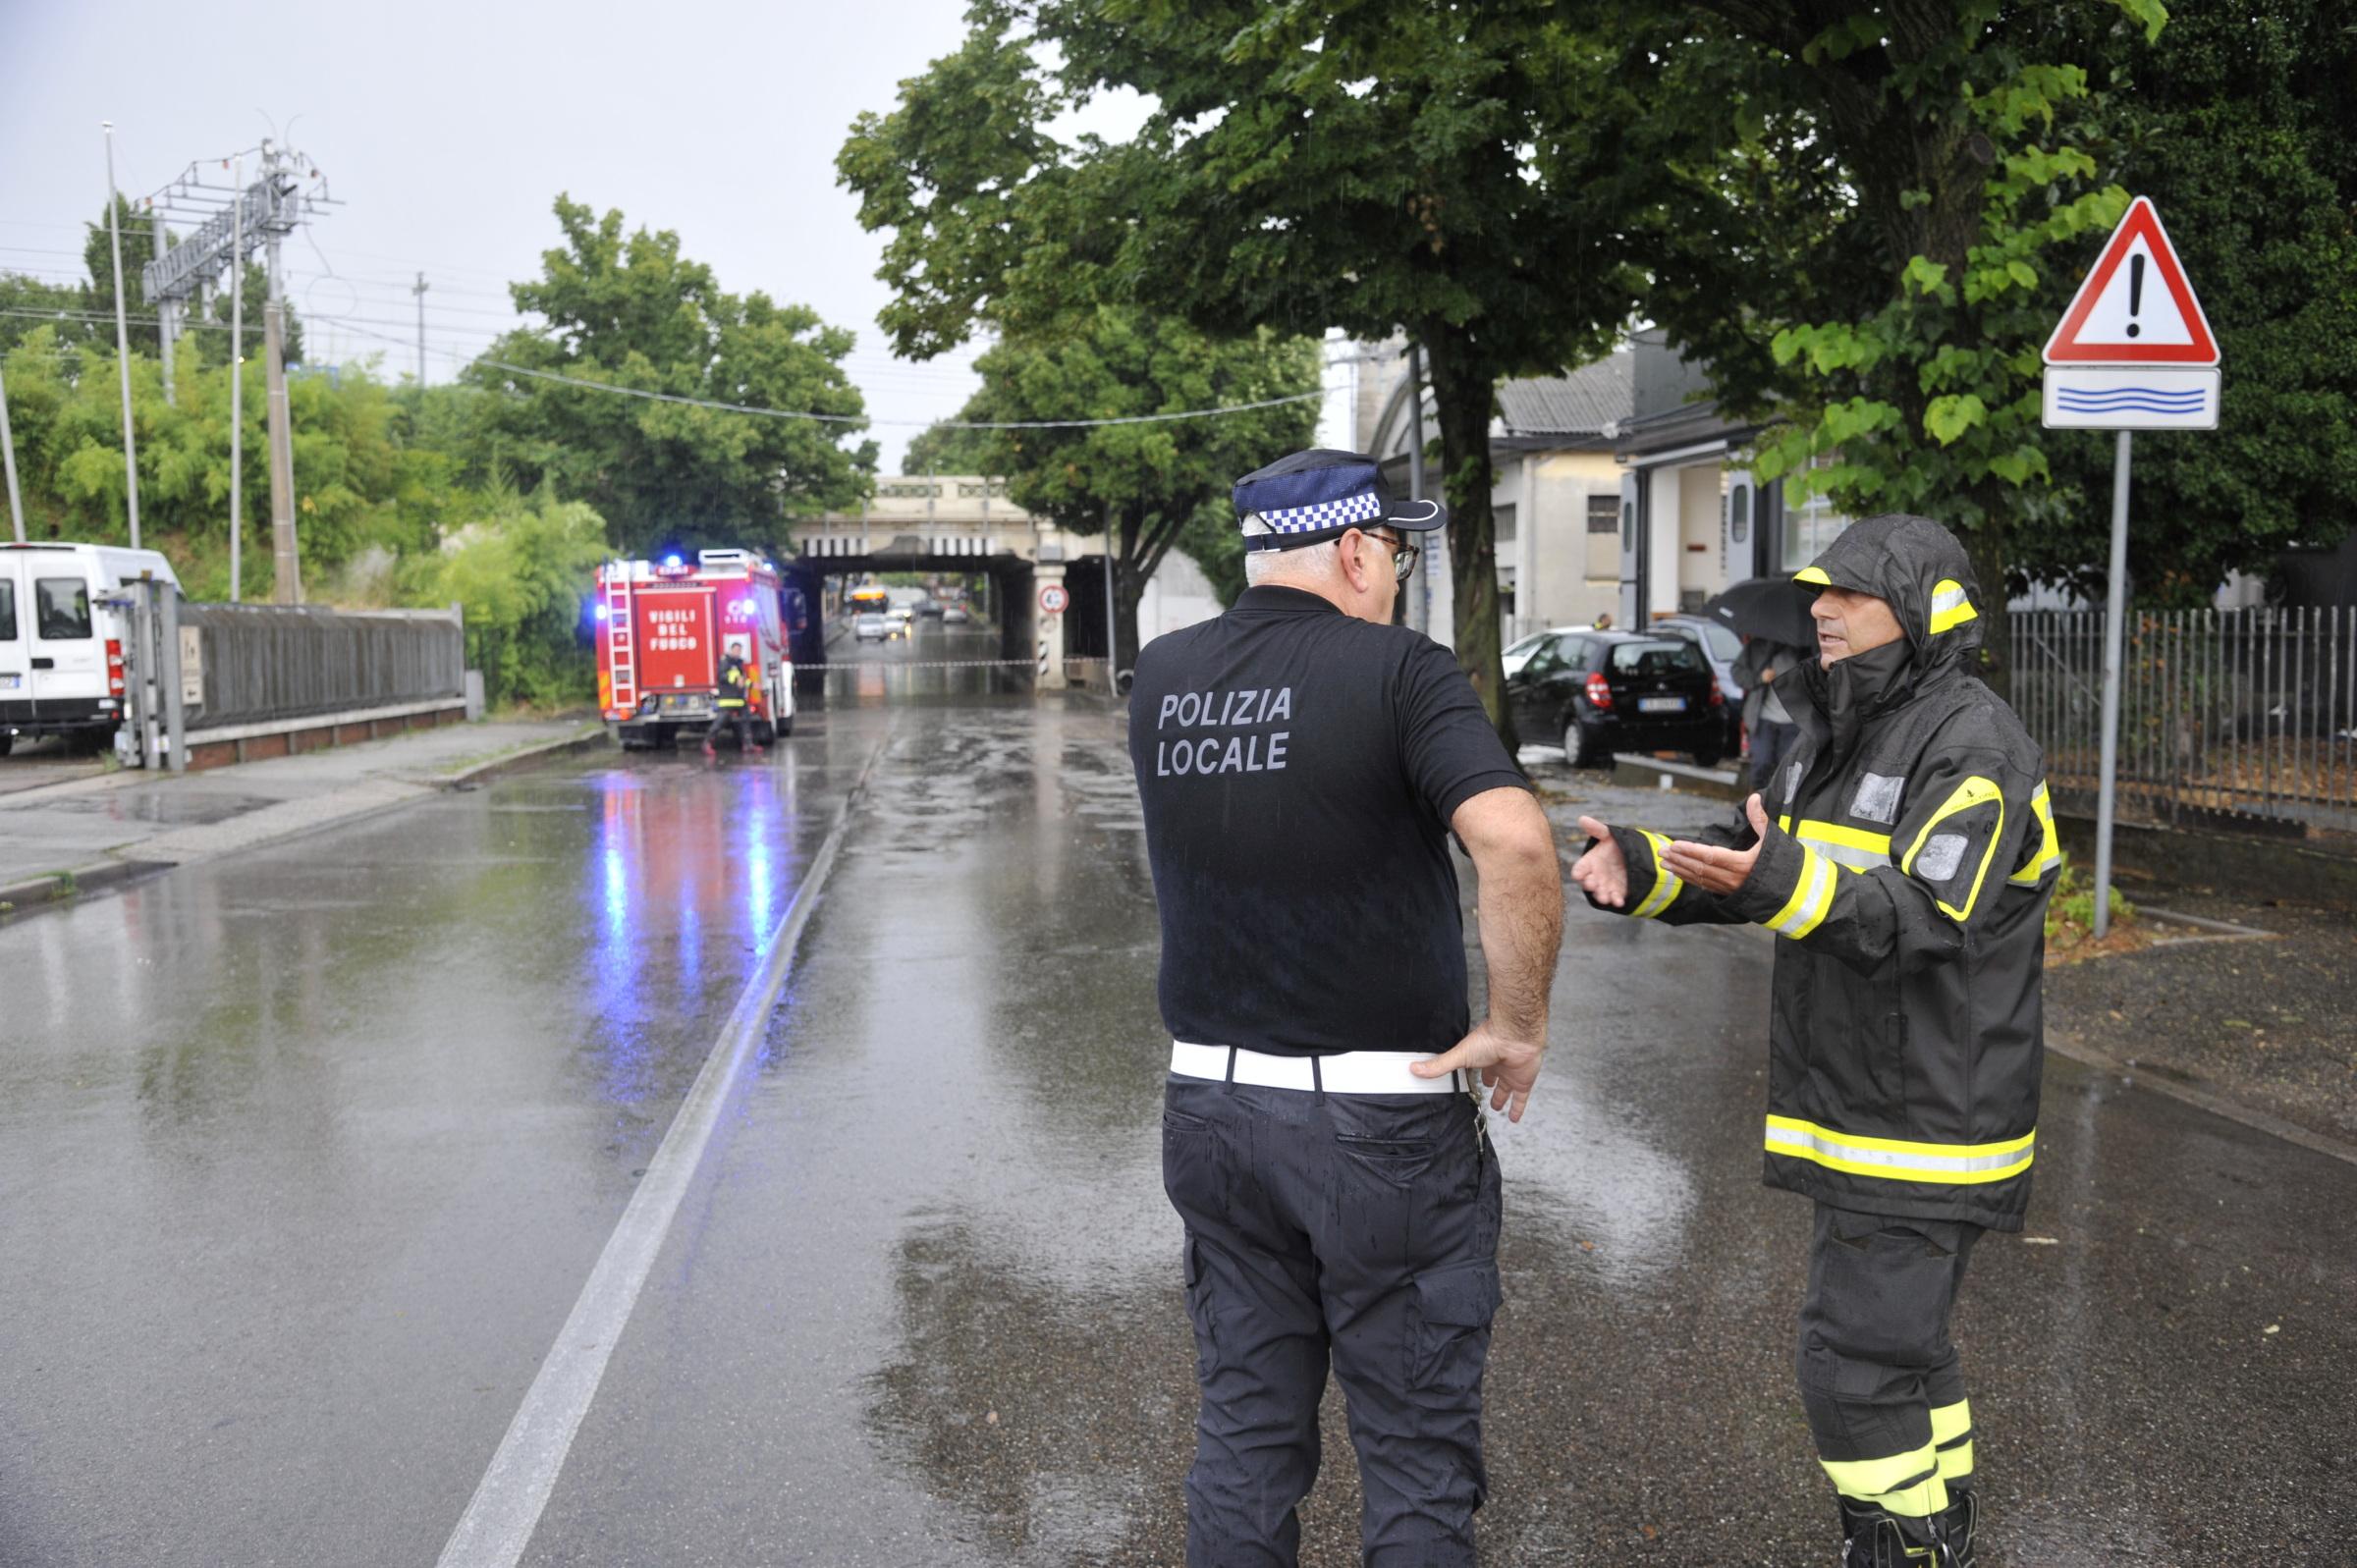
(1771, 615)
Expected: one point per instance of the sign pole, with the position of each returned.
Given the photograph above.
(2115, 596)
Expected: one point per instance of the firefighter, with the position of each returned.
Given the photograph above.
(728, 708)
(1904, 854)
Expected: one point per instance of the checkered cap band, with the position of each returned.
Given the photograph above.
(1360, 509)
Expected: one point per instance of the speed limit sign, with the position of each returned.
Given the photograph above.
(1053, 598)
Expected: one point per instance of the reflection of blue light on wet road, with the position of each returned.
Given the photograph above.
(760, 826)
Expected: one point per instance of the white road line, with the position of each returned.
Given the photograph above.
(506, 1508)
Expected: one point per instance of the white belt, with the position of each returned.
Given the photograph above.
(1345, 1072)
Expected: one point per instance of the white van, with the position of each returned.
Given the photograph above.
(62, 649)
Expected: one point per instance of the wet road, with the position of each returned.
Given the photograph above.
(304, 1158)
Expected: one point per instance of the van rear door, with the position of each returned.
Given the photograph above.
(15, 632)
(69, 664)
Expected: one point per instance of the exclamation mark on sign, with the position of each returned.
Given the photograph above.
(2135, 291)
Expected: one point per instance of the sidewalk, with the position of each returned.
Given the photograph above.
(2263, 1028)
(88, 831)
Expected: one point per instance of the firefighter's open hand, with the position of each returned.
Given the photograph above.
(1713, 869)
(1507, 1066)
(1603, 872)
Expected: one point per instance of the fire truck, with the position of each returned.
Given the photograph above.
(662, 627)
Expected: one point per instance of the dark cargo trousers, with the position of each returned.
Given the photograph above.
(1359, 1230)
(1879, 1375)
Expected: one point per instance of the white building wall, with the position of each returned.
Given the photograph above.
(1176, 595)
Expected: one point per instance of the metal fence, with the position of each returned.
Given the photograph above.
(265, 662)
(2246, 716)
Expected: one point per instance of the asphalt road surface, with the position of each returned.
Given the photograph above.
(307, 1157)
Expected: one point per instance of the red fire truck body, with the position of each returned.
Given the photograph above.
(662, 628)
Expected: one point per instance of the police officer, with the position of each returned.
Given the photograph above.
(728, 706)
(1302, 763)
(1905, 853)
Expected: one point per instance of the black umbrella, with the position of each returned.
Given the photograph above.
(1774, 607)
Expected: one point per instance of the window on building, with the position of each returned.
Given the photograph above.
(1603, 514)
(1811, 526)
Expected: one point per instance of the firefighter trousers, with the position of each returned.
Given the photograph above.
(1356, 1231)
(731, 716)
(1879, 1375)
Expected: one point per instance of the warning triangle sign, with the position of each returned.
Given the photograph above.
(2135, 307)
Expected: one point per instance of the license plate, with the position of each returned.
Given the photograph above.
(1661, 705)
(11, 682)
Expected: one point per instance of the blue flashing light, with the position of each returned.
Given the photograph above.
(673, 561)
(601, 612)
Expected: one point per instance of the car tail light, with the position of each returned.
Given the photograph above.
(114, 666)
(1600, 691)
(1717, 697)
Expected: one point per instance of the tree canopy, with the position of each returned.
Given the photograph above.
(633, 311)
(1145, 486)
(1371, 168)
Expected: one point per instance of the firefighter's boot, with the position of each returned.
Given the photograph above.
(1873, 1538)
(1953, 1529)
(710, 750)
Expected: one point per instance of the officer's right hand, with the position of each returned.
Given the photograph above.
(1507, 1066)
(1603, 872)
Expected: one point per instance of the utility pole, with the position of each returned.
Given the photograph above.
(237, 380)
(114, 235)
(8, 455)
(168, 323)
(286, 567)
(419, 291)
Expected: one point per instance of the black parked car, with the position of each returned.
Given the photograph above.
(1601, 692)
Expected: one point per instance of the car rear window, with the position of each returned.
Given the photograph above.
(63, 607)
(8, 611)
(1725, 644)
(1663, 658)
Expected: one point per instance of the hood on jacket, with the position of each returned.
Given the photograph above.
(1917, 567)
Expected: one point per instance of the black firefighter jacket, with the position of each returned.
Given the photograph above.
(1908, 870)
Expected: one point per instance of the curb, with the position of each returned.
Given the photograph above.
(64, 888)
(517, 761)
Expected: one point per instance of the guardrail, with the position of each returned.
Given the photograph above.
(2244, 718)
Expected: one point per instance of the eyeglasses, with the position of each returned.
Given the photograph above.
(1404, 554)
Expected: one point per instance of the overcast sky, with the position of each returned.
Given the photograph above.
(447, 129)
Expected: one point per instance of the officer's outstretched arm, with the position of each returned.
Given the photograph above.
(1915, 898)
(1653, 890)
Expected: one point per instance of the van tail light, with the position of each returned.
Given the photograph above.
(1600, 691)
(114, 667)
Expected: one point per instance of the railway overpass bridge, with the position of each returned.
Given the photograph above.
(961, 524)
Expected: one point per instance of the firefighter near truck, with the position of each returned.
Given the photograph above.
(664, 628)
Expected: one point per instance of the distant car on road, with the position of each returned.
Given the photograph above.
(870, 627)
(928, 607)
(1601, 692)
(901, 618)
(1721, 645)
(954, 616)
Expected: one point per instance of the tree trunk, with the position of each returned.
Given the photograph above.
(1463, 387)
(1986, 545)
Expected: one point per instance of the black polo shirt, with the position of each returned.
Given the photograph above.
(1298, 769)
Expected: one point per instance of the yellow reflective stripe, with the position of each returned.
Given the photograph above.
(2050, 844)
(1667, 886)
(1898, 1158)
(1973, 791)
(1813, 574)
(1907, 1484)
(1950, 1422)
(1812, 897)
(1950, 606)
(1853, 848)
(1955, 1464)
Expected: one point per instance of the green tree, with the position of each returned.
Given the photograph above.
(2240, 125)
(520, 572)
(1145, 486)
(635, 312)
(1899, 204)
(1372, 168)
(947, 449)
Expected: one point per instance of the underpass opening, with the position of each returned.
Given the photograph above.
(997, 652)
